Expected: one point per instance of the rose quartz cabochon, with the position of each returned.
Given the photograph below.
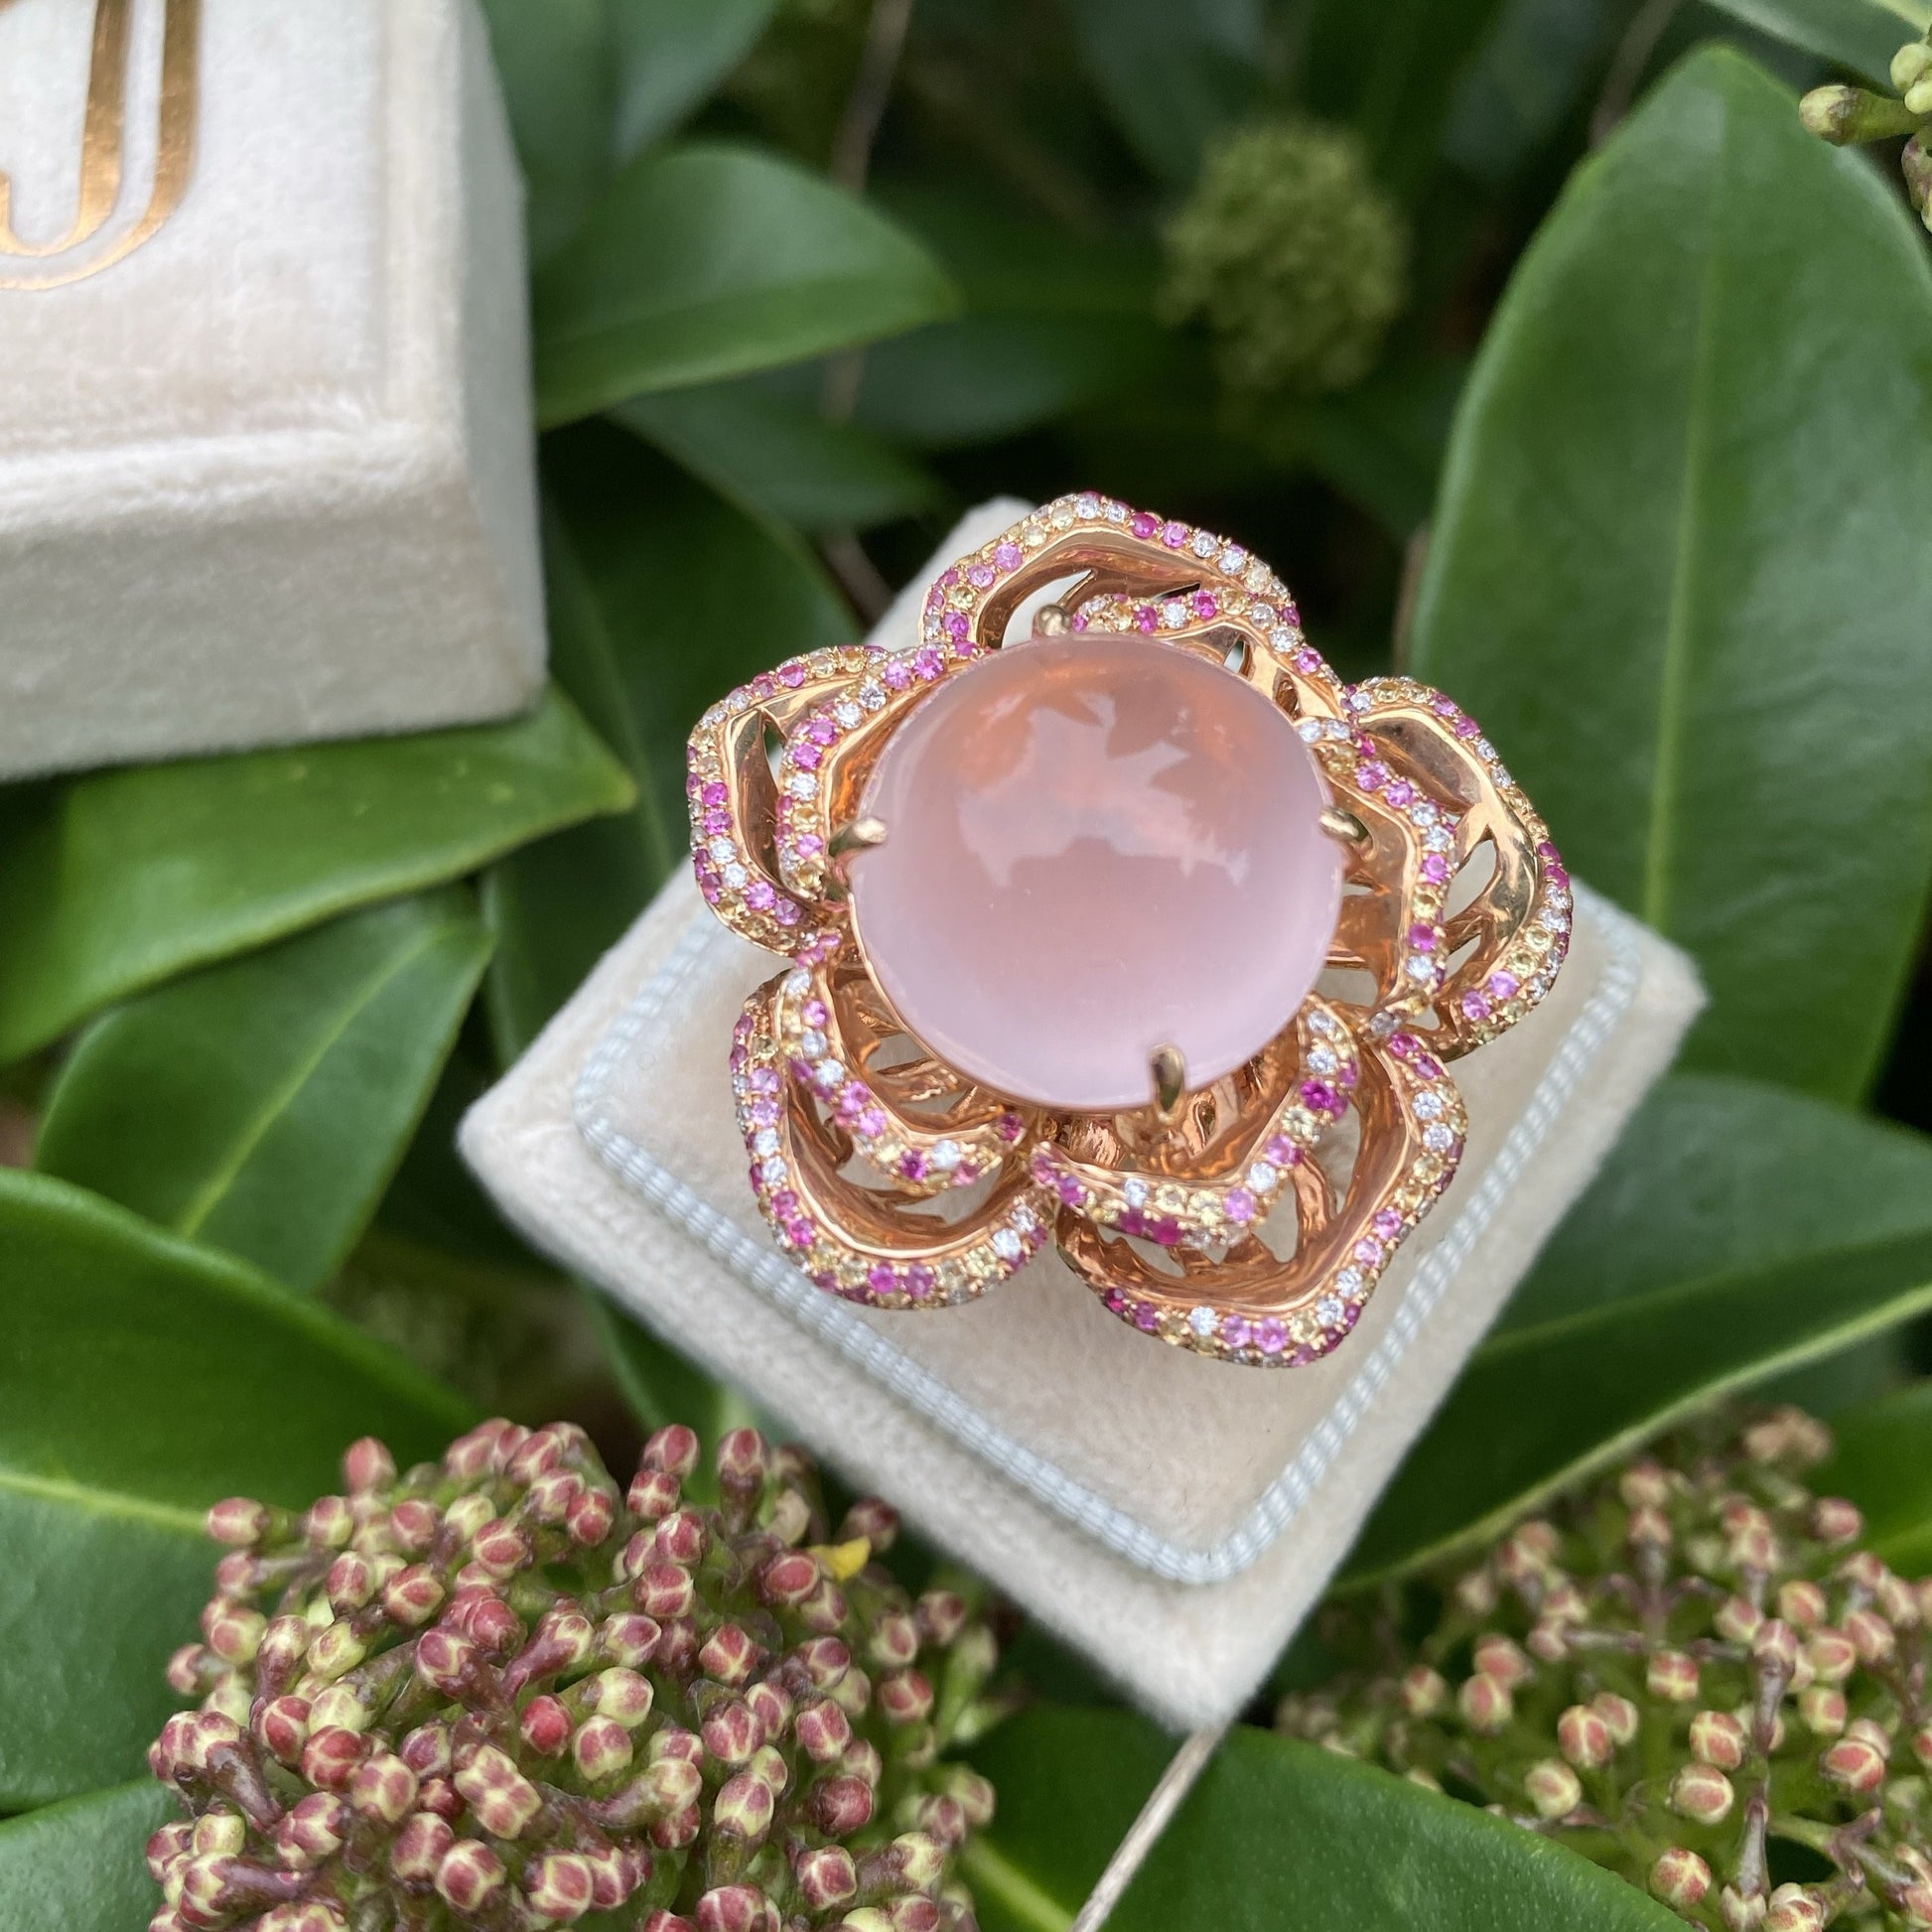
(1097, 844)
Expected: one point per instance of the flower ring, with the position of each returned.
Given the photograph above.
(1057, 891)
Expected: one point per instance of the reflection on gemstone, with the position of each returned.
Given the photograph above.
(1096, 845)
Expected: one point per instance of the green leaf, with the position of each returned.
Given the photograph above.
(262, 1105)
(144, 1378)
(114, 880)
(1861, 36)
(1526, 80)
(1715, 1174)
(659, 1385)
(1173, 75)
(696, 595)
(1381, 443)
(1675, 536)
(1055, 320)
(1276, 1834)
(78, 1867)
(1392, 70)
(556, 906)
(712, 261)
(782, 462)
(1541, 1405)
(671, 54)
(1885, 1464)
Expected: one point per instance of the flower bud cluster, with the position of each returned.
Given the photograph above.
(1688, 1672)
(1845, 116)
(500, 1692)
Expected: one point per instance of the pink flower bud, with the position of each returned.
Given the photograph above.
(502, 1548)
(789, 1578)
(166, 1847)
(545, 1726)
(1854, 1765)
(1423, 1692)
(334, 1649)
(331, 1757)
(653, 1493)
(600, 1748)
(281, 1727)
(728, 1655)
(825, 1610)
(862, 1761)
(1649, 1528)
(941, 1615)
(1821, 1708)
(1499, 1658)
(1620, 1717)
(1873, 1734)
(1871, 1636)
(1801, 1602)
(664, 1590)
(420, 1848)
(368, 1464)
(302, 1915)
(874, 1520)
(628, 1639)
(1794, 1909)
(826, 1876)
(623, 1696)
(1740, 1911)
(904, 1697)
(1485, 1703)
(1673, 1676)
(413, 1524)
(552, 1494)
(351, 1583)
(1680, 1879)
(1833, 1655)
(447, 1662)
(662, 1921)
(469, 1877)
(188, 1669)
(1717, 1737)
(770, 1706)
(328, 1523)
(616, 1875)
(1702, 1793)
(1915, 1905)
(241, 1521)
(1834, 1521)
(680, 1538)
(743, 1807)
(1584, 1738)
(1645, 1485)
(677, 1830)
(412, 1597)
(558, 1887)
(1737, 1620)
(311, 1830)
(590, 1519)
(732, 1908)
(426, 1750)
(1553, 1788)
(731, 1732)
(673, 1450)
(823, 1732)
(894, 1641)
(504, 1799)
(842, 1806)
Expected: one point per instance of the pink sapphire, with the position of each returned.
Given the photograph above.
(791, 676)
(1007, 556)
(1143, 526)
(1097, 847)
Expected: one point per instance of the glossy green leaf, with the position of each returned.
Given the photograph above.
(1174, 76)
(557, 905)
(670, 53)
(1276, 1834)
(697, 595)
(1715, 1174)
(144, 1378)
(1381, 443)
(1055, 321)
(711, 261)
(780, 461)
(262, 1105)
(1885, 1464)
(659, 1385)
(1858, 35)
(114, 880)
(1526, 80)
(1675, 535)
(1544, 1405)
(78, 1867)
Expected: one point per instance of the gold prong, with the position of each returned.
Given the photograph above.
(1341, 823)
(860, 834)
(1170, 1072)
(1050, 620)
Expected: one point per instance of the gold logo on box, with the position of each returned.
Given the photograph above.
(104, 150)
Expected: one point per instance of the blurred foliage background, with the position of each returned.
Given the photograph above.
(1543, 353)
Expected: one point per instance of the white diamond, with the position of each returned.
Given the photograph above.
(735, 875)
(1088, 504)
(1114, 513)
(871, 696)
(766, 1141)
(945, 1155)
(1429, 1106)
(1328, 1310)
(1349, 1281)
(1438, 1138)
(847, 714)
(1134, 1190)
(1174, 613)
(1025, 1218)
(771, 1171)
(1309, 729)
(1322, 1023)
(801, 784)
(828, 1073)
(1502, 777)
(1261, 1177)
(1063, 519)
(1487, 749)
(1421, 812)
(1419, 967)
(721, 850)
(798, 981)
(1323, 1059)
(1204, 545)
(1281, 640)
(1336, 728)
(1234, 559)
(1006, 1244)
(1357, 700)
(1381, 1025)
(1437, 839)
(1203, 1322)
(1552, 920)
(813, 1044)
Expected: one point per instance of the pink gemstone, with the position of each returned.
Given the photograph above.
(1504, 985)
(1401, 793)
(1007, 556)
(806, 757)
(1271, 1336)
(918, 1281)
(1095, 848)
(1143, 526)
(1240, 1204)
(1435, 868)
(879, 1277)
(715, 795)
(1307, 661)
(1387, 1223)
(791, 676)
(1423, 937)
(1475, 1006)
(897, 673)
(759, 895)
(1174, 535)
(957, 626)
(1282, 1152)
(980, 575)
(1147, 617)
(1235, 1330)
(1009, 1127)
(1205, 606)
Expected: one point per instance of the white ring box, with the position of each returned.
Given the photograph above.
(265, 434)
(1172, 1517)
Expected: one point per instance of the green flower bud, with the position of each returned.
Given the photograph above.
(1292, 255)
